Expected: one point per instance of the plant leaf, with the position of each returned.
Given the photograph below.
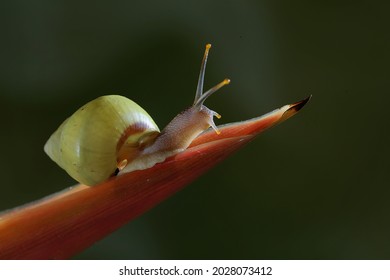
(66, 223)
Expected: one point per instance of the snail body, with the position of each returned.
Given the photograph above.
(112, 133)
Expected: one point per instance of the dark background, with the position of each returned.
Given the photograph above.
(315, 187)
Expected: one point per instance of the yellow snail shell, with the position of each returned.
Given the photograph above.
(86, 144)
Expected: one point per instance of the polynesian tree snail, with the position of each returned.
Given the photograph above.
(112, 133)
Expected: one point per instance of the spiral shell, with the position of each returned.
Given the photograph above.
(87, 144)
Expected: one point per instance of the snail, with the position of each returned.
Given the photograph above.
(112, 134)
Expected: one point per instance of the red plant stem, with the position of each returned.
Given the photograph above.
(68, 222)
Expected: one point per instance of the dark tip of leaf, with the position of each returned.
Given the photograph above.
(294, 108)
(299, 105)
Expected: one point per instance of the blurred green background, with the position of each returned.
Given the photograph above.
(315, 187)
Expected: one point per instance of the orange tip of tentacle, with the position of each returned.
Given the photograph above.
(226, 81)
(215, 128)
(208, 46)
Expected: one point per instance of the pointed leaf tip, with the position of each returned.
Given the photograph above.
(294, 108)
(299, 105)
